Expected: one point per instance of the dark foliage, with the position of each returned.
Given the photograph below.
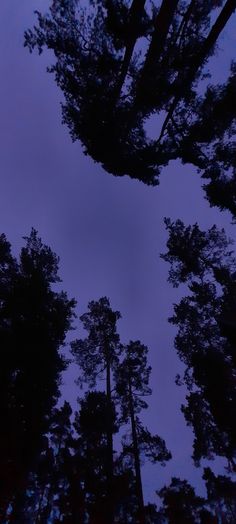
(204, 261)
(127, 377)
(98, 355)
(119, 63)
(180, 505)
(132, 379)
(221, 491)
(34, 320)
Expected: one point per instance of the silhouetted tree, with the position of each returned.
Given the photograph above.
(98, 355)
(55, 488)
(221, 491)
(118, 64)
(91, 424)
(180, 504)
(34, 320)
(132, 379)
(96, 418)
(205, 262)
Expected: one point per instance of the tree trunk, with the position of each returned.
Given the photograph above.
(110, 509)
(161, 28)
(135, 13)
(139, 488)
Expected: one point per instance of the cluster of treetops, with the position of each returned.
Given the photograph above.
(118, 64)
(58, 466)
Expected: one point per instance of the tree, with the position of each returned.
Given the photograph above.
(221, 495)
(98, 354)
(205, 262)
(93, 422)
(34, 320)
(182, 506)
(132, 378)
(54, 491)
(112, 84)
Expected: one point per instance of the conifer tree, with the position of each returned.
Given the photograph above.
(34, 320)
(97, 355)
(221, 492)
(181, 505)
(205, 262)
(132, 379)
(118, 64)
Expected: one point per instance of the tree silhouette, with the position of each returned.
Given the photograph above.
(221, 492)
(204, 261)
(34, 320)
(69, 482)
(93, 422)
(132, 378)
(54, 491)
(98, 354)
(182, 506)
(117, 65)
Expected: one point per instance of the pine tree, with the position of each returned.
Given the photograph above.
(98, 355)
(221, 492)
(119, 64)
(34, 320)
(132, 379)
(180, 504)
(204, 261)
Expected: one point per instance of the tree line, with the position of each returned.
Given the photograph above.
(59, 466)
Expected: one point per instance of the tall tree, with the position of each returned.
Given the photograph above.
(113, 81)
(34, 320)
(98, 355)
(205, 262)
(132, 379)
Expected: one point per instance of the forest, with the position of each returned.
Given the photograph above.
(122, 66)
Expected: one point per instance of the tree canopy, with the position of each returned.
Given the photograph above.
(34, 321)
(205, 262)
(119, 63)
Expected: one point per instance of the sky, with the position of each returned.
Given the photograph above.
(107, 231)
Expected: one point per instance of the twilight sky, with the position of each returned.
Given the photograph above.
(107, 231)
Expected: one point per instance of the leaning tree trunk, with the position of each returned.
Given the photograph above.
(161, 28)
(135, 14)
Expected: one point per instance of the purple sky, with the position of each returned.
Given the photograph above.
(107, 231)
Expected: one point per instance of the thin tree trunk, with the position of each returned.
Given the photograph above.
(139, 488)
(161, 28)
(109, 447)
(135, 13)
